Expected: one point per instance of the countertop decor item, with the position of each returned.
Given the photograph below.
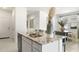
(50, 16)
(49, 25)
(51, 13)
(62, 23)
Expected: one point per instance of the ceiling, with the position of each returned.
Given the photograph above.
(59, 10)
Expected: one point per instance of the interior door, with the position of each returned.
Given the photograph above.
(4, 26)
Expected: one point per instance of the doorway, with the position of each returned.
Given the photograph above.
(7, 23)
(71, 22)
(5, 18)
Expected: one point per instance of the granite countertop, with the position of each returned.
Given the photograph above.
(41, 40)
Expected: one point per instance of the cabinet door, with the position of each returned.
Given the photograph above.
(35, 50)
(37, 46)
(25, 46)
(50, 47)
(19, 42)
(26, 39)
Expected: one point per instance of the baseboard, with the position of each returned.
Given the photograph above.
(4, 37)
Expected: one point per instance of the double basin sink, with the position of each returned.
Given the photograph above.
(35, 35)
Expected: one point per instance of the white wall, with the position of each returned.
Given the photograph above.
(43, 20)
(20, 17)
(12, 25)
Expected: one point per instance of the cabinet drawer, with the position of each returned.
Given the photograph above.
(26, 47)
(26, 39)
(37, 46)
(35, 50)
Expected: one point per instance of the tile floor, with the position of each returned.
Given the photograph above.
(7, 45)
(72, 47)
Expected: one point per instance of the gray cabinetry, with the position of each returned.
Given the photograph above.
(19, 42)
(35, 50)
(26, 46)
(29, 45)
(36, 47)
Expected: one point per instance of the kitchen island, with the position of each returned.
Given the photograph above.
(27, 43)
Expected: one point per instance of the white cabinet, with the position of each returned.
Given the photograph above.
(51, 47)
